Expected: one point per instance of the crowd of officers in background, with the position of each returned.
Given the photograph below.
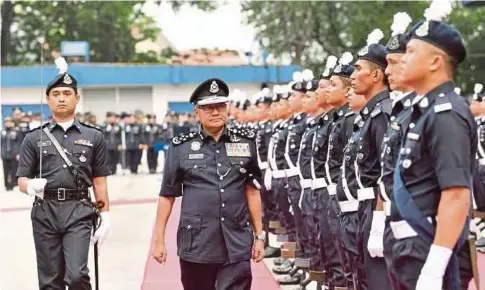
(127, 136)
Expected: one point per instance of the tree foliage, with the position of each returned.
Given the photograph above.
(107, 25)
(309, 31)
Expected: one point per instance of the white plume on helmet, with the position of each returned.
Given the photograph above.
(307, 75)
(477, 89)
(438, 10)
(375, 36)
(400, 23)
(297, 76)
(61, 65)
(346, 58)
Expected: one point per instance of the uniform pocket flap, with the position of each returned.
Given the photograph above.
(190, 222)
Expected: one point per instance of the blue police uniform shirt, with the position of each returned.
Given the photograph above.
(84, 146)
(215, 224)
(439, 148)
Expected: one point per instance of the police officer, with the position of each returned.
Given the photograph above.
(73, 159)
(10, 141)
(370, 80)
(399, 120)
(432, 178)
(134, 143)
(221, 207)
(21, 125)
(112, 135)
(152, 133)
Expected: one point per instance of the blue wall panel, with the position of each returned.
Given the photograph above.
(180, 107)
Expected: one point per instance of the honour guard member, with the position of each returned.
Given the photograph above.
(152, 133)
(341, 131)
(112, 135)
(134, 143)
(73, 159)
(21, 124)
(433, 174)
(396, 47)
(10, 140)
(217, 169)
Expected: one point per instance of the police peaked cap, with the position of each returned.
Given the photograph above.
(441, 35)
(375, 53)
(397, 43)
(299, 87)
(343, 70)
(62, 80)
(211, 91)
(312, 85)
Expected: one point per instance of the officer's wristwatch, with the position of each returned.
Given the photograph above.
(261, 236)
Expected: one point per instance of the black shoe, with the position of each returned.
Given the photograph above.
(288, 280)
(278, 261)
(283, 269)
(271, 252)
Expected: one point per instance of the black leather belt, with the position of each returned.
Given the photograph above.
(62, 194)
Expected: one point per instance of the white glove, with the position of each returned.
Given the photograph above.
(431, 277)
(103, 230)
(375, 245)
(268, 176)
(35, 187)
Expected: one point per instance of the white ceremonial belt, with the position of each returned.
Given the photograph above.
(294, 171)
(403, 230)
(277, 174)
(481, 161)
(319, 183)
(263, 165)
(349, 205)
(332, 189)
(306, 183)
(365, 193)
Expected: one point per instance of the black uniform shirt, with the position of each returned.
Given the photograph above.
(305, 157)
(320, 148)
(348, 168)
(341, 132)
(295, 133)
(152, 133)
(133, 135)
(84, 146)
(375, 114)
(280, 145)
(392, 142)
(215, 224)
(262, 140)
(11, 139)
(439, 147)
(112, 135)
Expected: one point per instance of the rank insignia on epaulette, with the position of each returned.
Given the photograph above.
(83, 142)
(442, 107)
(376, 112)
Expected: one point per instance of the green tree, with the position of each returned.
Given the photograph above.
(309, 31)
(107, 25)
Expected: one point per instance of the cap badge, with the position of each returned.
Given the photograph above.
(67, 79)
(214, 87)
(363, 51)
(394, 44)
(309, 86)
(338, 69)
(298, 86)
(423, 29)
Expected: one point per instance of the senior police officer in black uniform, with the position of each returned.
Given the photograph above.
(11, 138)
(72, 157)
(216, 172)
(433, 174)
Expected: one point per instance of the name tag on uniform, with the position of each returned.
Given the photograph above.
(196, 156)
(83, 142)
(44, 143)
(238, 150)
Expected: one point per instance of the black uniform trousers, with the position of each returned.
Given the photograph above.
(133, 159)
(212, 276)
(294, 193)
(310, 208)
(62, 232)
(9, 171)
(270, 207)
(409, 256)
(335, 228)
(376, 276)
(389, 241)
(113, 160)
(280, 191)
(152, 159)
(350, 229)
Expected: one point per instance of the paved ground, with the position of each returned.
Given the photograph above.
(125, 263)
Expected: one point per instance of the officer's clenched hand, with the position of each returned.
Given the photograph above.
(103, 230)
(433, 271)
(258, 254)
(35, 187)
(159, 252)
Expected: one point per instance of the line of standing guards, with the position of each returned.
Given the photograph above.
(354, 180)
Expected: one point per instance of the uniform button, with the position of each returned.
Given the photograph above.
(411, 125)
(65, 136)
(222, 219)
(222, 189)
(45, 151)
(65, 166)
(223, 205)
(65, 150)
(217, 151)
(195, 166)
(408, 150)
(406, 163)
(218, 164)
(189, 226)
(84, 151)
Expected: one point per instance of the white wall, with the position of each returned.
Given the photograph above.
(14, 96)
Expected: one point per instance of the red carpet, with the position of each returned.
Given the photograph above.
(167, 277)
(481, 273)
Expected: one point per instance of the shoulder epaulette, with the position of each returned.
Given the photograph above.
(90, 126)
(349, 114)
(245, 133)
(183, 137)
(442, 103)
